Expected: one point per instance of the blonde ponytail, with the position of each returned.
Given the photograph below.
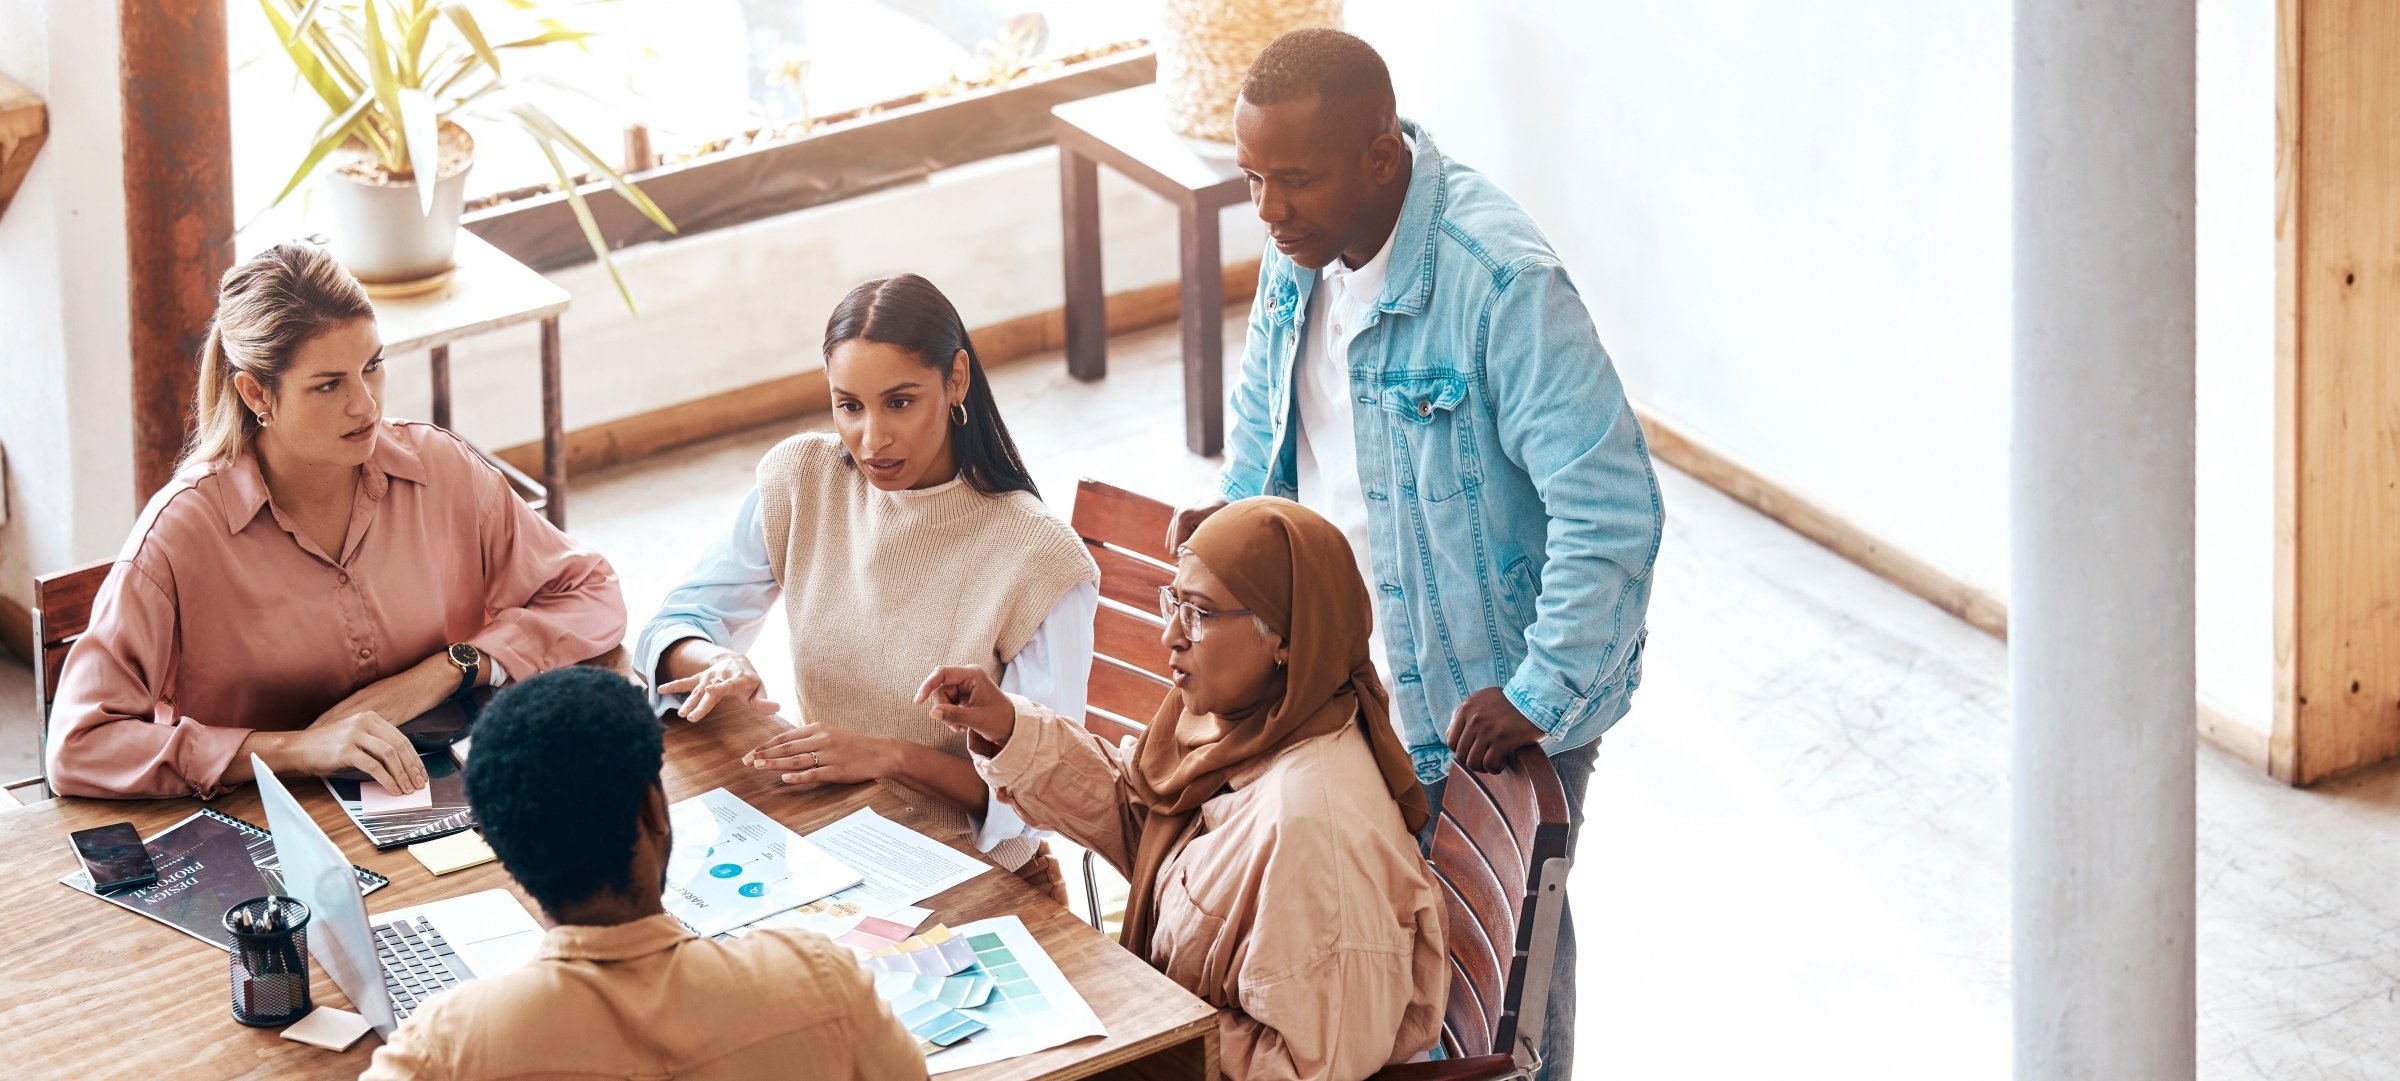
(266, 309)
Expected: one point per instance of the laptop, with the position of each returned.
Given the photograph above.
(389, 964)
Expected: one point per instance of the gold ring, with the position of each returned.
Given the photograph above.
(816, 759)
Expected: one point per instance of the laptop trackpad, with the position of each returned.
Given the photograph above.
(490, 931)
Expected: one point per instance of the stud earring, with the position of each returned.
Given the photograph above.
(262, 420)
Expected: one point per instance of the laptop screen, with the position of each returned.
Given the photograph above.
(315, 871)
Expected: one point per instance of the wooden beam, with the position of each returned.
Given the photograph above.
(24, 127)
(2337, 638)
(1979, 607)
(791, 397)
(178, 212)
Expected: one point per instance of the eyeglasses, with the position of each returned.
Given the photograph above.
(1194, 618)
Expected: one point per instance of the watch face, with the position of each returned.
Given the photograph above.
(464, 655)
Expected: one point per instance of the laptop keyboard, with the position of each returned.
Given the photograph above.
(417, 963)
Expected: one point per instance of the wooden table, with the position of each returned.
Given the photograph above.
(1127, 131)
(489, 291)
(87, 989)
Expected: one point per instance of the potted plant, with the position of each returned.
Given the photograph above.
(394, 75)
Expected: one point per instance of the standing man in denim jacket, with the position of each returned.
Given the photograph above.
(1420, 371)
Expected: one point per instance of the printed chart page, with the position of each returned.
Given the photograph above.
(732, 865)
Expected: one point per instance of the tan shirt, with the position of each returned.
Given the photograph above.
(1300, 907)
(649, 999)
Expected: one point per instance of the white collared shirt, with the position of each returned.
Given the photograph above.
(1327, 445)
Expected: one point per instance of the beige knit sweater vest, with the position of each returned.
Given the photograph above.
(883, 587)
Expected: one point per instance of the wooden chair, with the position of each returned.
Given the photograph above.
(62, 608)
(1126, 533)
(1500, 854)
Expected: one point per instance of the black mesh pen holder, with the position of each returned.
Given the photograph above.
(270, 961)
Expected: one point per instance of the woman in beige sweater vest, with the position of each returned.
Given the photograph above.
(912, 537)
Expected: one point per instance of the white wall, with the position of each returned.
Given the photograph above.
(1790, 220)
(65, 371)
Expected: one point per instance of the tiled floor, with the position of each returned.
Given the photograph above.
(1796, 863)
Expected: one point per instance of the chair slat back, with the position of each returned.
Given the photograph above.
(1497, 831)
(62, 608)
(1126, 534)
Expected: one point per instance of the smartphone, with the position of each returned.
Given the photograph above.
(114, 857)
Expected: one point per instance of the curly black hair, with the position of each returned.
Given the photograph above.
(1340, 69)
(559, 768)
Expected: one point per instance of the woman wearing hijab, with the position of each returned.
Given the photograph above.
(1266, 818)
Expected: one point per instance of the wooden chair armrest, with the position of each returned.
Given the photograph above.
(1472, 1068)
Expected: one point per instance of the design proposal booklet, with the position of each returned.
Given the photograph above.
(207, 864)
(732, 865)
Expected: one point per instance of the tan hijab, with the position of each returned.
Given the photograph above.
(1295, 571)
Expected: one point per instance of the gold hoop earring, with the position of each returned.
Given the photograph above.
(958, 415)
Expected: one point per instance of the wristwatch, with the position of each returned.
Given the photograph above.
(469, 662)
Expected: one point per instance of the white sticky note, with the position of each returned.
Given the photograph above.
(329, 1028)
(374, 798)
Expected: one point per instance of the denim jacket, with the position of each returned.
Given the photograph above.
(1512, 512)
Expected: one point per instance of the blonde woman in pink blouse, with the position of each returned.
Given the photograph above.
(315, 575)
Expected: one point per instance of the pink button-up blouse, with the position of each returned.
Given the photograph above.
(221, 618)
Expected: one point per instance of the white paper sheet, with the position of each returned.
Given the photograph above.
(898, 867)
(733, 865)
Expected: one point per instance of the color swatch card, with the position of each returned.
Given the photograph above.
(1030, 1005)
(732, 865)
(937, 952)
(935, 1024)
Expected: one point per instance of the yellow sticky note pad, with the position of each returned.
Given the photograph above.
(456, 852)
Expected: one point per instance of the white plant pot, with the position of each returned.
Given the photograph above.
(380, 230)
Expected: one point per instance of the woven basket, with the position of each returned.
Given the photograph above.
(1207, 49)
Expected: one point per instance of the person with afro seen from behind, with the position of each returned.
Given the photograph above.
(565, 781)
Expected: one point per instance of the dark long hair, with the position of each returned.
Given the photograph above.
(908, 312)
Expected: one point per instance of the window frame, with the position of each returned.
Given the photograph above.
(873, 149)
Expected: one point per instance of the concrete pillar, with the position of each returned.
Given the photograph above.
(2101, 479)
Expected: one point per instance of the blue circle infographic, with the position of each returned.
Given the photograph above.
(753, 889)
(725, 870)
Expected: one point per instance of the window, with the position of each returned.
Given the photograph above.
(699, 74)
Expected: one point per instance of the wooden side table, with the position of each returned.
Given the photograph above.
(486, 292)
(1127, 131)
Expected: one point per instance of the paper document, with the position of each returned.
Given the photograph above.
(898, 865)
(1029, 1006)
(733, 865)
